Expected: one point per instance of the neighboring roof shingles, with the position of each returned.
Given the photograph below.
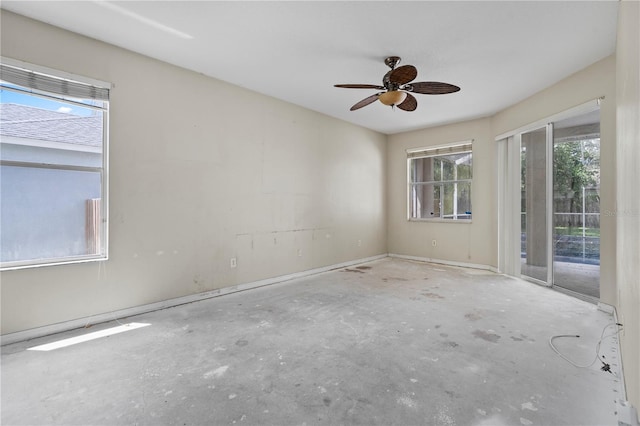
(27, 122)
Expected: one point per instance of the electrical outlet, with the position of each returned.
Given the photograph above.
(434, 243)
(359, 243)
(233, 263)
(299, 252)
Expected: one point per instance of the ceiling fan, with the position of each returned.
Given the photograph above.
(397, 87)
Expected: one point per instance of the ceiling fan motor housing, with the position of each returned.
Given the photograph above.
(388, 84)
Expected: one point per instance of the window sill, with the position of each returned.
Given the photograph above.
(438, 220)
(11, 266)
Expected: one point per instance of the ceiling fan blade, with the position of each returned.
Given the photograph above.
(403, 74)
(359, 86)
(366, 101)
(431, 88)
(409, 104)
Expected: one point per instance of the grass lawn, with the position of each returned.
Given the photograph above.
(576, 231)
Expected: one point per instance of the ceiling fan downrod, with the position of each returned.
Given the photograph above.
(392, 61)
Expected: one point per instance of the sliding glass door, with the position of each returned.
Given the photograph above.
(533, 202)
(551, 178)
(576, 204)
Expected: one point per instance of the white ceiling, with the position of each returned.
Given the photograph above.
(498, 52)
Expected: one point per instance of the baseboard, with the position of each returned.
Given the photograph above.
(623, 385)
(580, 296)
(446, 262)
(20, 336)
(604, 307)
(627, 414)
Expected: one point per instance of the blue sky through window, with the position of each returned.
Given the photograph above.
(10, 97)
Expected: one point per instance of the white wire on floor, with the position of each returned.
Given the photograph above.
(597, 349)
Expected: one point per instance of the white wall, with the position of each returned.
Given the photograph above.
(469, 243)
(627, 215)
(200, 171)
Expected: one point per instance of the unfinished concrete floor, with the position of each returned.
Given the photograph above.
(391, 342)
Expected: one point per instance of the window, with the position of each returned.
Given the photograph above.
(53, 163)
(440, 182)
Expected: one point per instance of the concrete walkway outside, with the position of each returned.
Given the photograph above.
(582, 278)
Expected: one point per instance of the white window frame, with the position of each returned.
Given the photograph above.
(104, 169)
(433, 152)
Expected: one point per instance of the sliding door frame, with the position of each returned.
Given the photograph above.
(550, 208)
(509, 195)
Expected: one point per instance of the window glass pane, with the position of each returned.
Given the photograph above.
(464, 200)
(422, 170)
(425, 201)
(437, 169)
(445, 201)
(437, 201)
(45, 213)
(415, 201)
(464, 166)
(448, 168)
(456, 203)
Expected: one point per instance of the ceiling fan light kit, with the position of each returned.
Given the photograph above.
(393, 97)
(395, 84)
